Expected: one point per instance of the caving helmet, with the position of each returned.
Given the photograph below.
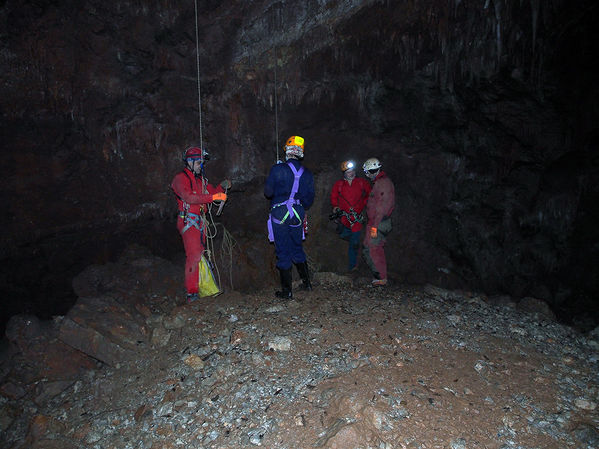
(294, 147)
(347, 165)
(372, 167)
(194, 154)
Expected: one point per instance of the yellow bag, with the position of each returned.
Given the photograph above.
(207, 286)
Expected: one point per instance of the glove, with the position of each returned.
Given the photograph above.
(336, 209)
(373, 233)
(226, 184)
(219, 197)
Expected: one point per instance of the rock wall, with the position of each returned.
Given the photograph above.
(483, 113)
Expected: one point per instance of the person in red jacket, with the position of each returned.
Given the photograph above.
(194, 194)
(379, 207)
(348, 198)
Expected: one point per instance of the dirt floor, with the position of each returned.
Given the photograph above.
(344, 366)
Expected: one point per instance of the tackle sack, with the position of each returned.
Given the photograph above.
(207, 285)
(385, 226)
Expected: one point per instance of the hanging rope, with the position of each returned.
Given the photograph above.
(228, 242)
(199, 87)
(276, 108)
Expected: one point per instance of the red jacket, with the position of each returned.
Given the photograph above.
(354, 196)
(191, 197)
(381, 201)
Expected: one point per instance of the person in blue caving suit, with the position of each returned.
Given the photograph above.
(290, 189)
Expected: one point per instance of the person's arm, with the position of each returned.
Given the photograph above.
(212, 189)
(182, 187)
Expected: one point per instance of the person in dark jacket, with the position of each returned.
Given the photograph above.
(378, 208)
(290, 189)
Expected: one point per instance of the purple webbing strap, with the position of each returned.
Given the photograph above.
(297, 174)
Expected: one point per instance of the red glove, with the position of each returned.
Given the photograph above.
(373, 233)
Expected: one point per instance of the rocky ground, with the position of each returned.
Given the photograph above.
(344, 366)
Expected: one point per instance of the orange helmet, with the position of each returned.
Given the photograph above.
(347, 165)
(295, 141)
(294, 147)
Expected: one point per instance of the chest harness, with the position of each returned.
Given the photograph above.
(297, 174)
(191, 219)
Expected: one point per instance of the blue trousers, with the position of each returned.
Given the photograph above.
(354, 244)
(288, 245)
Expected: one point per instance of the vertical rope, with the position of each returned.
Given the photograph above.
(278, 27)
(276, 107)
(199, 87)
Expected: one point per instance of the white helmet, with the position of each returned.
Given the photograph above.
(371, 165)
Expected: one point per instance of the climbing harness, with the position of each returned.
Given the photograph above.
(192, 220)
(351, 216)
(297, 174)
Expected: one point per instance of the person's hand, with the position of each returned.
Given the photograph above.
(373, 233)
(226, 184)
(219, 197)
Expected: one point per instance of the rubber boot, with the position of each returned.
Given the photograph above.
(285, 292)
(302, 269)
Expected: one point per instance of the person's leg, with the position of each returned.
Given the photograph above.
(283, 250)
(377, 254)
(296, 244)
(283, 245)
(352, 252)
(192, 241)
(374, 254)
(368, 258)
(346, 235)
(298, 256)
(286, 278)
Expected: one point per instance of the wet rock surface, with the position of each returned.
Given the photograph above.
(343, 366)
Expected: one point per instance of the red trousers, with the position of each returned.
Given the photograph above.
(193, 241)
(374, 253)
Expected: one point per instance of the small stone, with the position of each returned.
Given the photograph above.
(479, 367)
(280, 344)
(274, 309)
(585, 404)
(176, 321)
(460, 443)
(160, 337)
(194, 361)
(454, 319)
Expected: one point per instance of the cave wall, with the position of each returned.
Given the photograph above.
(483, 113)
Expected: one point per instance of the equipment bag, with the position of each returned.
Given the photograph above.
(207, 285)
(385, 226)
